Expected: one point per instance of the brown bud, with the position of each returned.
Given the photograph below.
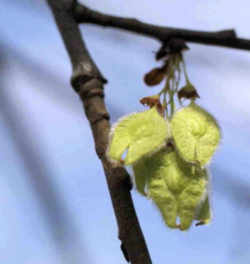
(150, 100)
(154, 77)
(173, 45)
(188, 91)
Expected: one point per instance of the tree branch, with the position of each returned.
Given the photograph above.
(88, 83)
(224, 38)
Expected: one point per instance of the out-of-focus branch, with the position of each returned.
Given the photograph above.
(49, 83)
(224, 38)
(88, 83)
(60, 224)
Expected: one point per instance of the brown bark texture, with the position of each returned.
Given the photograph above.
(88, 82)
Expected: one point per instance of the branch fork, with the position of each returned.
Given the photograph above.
(88, 82)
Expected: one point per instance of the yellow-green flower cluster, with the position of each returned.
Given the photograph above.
(168, 158)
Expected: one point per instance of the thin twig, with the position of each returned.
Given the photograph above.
(224, 38)
(88, 83)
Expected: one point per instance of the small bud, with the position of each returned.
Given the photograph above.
(154, 77)
(188, 91)
(152, 101)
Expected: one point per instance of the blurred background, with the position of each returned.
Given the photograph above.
(54, 203)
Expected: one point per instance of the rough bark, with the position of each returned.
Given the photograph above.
(88, 82)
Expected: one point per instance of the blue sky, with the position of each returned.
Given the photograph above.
(36, 87)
